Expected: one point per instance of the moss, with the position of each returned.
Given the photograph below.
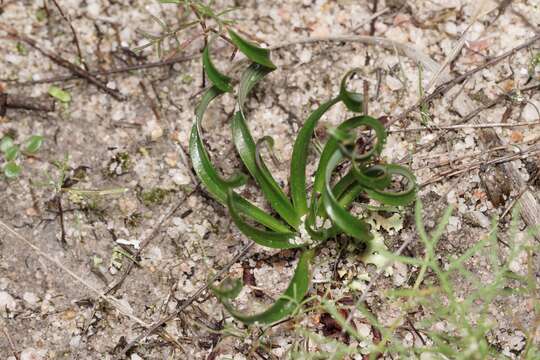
(154, 196)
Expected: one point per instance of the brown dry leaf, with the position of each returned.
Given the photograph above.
(69, 314)
(516, 136)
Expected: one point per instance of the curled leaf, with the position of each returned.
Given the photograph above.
(253, 52)
(209, 176)
(221, 81)
(396, 198)
(343, 219)
(288, 302)
(246, 148)
(271, 239)
(300, 154)
(353, 100)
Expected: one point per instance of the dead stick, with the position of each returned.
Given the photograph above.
(65, 63)
(149, 65)
(9, 101)
(11, 343)
(75, 38)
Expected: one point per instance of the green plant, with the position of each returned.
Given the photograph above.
(203, 12)
(303, 222)
(452, 325)
(12, 152)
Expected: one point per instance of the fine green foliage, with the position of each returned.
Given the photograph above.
(451, 325)
(302, 221)
(11, 153)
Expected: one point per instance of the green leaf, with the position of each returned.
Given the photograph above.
(353, 100)
(252, 51)
(219, 80)
(247, 149)
(229, 289)
(12, 170)
(348, 223)
(251, 76)
(271, 190)
(33, 144)
(396, 198)
(6, 143)
(59, 94)
(271, 239)
(207, 173)
(300, 154)
(12, 153)
(287, 303)
(333, 144)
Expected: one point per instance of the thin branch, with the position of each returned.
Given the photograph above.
(465, 126)
(11, 343)
(64, 63)
(75, 38)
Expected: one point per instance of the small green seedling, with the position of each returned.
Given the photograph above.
(302, 222)
(59, 94)
(11, 153)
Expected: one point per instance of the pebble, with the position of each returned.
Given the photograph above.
(3, 283)
(32, 354)
(7, 302)
(31, 298)
(75, 341)
(399, 276)
(530, 112)
(393, 83)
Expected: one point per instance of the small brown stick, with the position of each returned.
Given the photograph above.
(465, 126)
(188, 302)
(64, 63)
(75, 38)
(8, 101)
(11, 343)
(149, 65)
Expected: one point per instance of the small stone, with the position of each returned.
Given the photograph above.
(32, 354)
(530, 112)
(7, 302)
(179, 177)
(30, 298)
(393, 83)
(305, 56)
(400, 274)
(451, 28)
(75, 341)
(136, 357)
(31, 211)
